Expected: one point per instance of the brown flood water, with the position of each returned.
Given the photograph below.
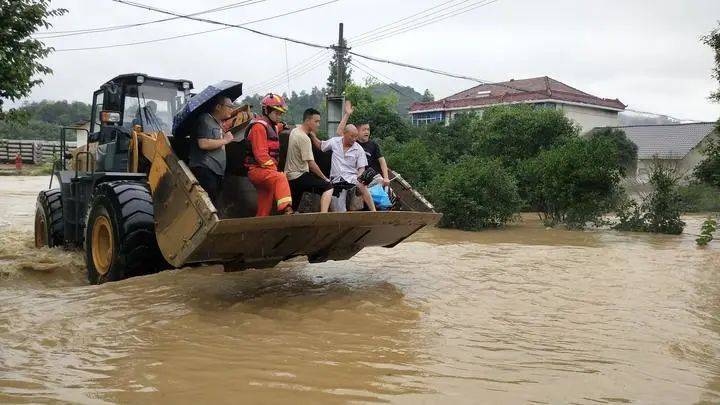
(522, 315)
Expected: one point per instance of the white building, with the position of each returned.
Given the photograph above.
(678, 146)
(586, 110)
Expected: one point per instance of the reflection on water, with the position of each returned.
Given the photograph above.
(518, 315)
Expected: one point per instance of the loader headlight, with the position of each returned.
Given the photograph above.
(108, 117)
(140, 79)
(186, 86)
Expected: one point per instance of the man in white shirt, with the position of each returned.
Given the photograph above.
(348, 161)
(302, 172)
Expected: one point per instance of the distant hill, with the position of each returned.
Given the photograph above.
(406, 95)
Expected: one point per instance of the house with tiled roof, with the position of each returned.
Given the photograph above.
(587, 110)
(679, 146)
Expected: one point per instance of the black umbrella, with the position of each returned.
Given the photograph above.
(183, 120)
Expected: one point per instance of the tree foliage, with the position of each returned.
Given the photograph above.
(708, 170)
(427, 96)
(475, 193)
(513, 134)
(43, 119)
(574, 183)
(20, 55)
(332, 85)
(713, 41)
(627, 150)
(379, 112)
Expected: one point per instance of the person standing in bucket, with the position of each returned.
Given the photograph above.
(263, 144)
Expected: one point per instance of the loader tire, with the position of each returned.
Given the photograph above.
(120, 233)
(49, 224)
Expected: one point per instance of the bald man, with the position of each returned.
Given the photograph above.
(347, 164)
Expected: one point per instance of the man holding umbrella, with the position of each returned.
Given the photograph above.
(263, 143)
(201, 119)
(207, 152)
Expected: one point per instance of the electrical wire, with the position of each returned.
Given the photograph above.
(297, 41)
(374, 30)
(303, 64)
(274, 83)
(194, 33)
(435, 19)
(60, 34)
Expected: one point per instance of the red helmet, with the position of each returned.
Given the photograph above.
(275, 102)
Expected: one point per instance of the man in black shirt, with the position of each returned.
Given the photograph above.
(374, 155)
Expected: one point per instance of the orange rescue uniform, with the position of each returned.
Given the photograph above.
(272, 186)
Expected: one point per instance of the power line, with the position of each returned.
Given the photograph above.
(322, 54)
(297, 41)
(388, 26)
(439, 72)
(279, 81)
(60, 34)
(194, 33)
(435, 19)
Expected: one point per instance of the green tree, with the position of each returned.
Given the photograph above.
(476, 193)
(574, 183)
(713, 41)
(332, 85)
(708, 171)
(516, 133)
(379, 112)
(427, 96)
(627, 150)
(20, 55)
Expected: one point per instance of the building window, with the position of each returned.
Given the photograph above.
(427, 117)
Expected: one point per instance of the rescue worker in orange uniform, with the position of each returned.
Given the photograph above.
(262, 158)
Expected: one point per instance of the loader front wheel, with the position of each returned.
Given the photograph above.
(120, 233)
(49, 225)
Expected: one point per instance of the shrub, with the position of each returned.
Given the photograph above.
(414, 160)
(664, 205)
(700, 197)
(660, 211)
(573, 184)
(476, 193)
(707, 232)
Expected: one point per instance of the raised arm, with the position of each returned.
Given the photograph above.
(346, 115)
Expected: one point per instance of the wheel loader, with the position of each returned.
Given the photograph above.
(129, 199)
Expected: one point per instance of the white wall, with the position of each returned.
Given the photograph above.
(588, 117)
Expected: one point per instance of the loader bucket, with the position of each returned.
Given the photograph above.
(189, 229)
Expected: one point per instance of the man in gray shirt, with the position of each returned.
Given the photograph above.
(207, 152)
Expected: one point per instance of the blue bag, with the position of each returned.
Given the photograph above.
(380, 197)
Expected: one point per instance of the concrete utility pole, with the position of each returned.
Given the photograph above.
(340, 56)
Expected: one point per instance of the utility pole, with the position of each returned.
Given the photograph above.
(340, 55)
(335, 102)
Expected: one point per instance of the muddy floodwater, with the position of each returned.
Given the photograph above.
(521, 315)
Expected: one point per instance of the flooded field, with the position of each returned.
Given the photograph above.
(522, 315)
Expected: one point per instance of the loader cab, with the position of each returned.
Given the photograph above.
(126, 101)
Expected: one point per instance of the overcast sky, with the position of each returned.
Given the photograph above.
(646, 53)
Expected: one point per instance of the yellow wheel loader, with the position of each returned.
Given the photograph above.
(130, 200)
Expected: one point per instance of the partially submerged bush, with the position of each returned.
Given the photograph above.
(707, 232)
(476, 193)
(572, 184)
(660, 211)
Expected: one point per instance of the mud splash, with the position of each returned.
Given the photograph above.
(514, 316)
